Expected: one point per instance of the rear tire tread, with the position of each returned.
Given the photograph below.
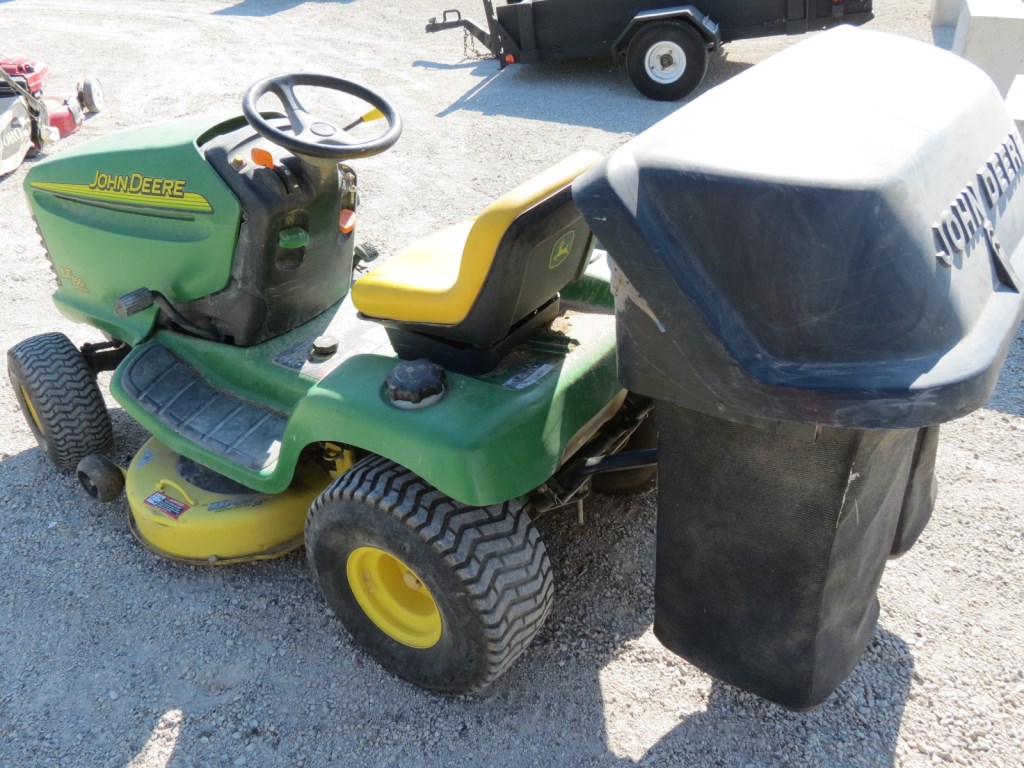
(494, 551)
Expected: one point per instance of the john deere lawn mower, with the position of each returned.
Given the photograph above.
(217, 259)
(799, 312)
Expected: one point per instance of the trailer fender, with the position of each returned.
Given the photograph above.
(707, 28)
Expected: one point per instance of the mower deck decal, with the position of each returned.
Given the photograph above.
(166, 504)
(134, 190)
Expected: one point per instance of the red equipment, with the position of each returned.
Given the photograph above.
(28, 119)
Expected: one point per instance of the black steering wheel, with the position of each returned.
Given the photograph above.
(311, 135)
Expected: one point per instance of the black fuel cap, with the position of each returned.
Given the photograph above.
(415, 384)
(325, 346)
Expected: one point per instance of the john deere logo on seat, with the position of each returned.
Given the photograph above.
(562, 249)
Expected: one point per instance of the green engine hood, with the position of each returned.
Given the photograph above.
(140, 208)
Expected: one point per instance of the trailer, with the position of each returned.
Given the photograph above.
(665, 47)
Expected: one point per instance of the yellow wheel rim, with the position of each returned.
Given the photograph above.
(394, 597)
(32, 410)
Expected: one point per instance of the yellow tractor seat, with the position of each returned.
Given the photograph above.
(486, 283)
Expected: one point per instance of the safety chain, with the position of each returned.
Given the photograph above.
(469, 50)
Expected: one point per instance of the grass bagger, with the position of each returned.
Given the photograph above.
(28, 119)
(798, 314)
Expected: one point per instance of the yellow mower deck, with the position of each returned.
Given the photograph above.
(181, 521)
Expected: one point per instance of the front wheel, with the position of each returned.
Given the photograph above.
(442, 594)
(666, 60)
(59, 398)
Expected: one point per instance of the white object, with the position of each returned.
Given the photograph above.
(990, 34)
(1015, 102)
(945, 13)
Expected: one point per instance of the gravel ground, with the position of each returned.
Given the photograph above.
(112, 657)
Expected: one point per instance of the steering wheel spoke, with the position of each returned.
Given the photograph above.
(298, 115)
(312, 135)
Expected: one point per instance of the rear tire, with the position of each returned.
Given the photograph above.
(666, 60)
(444, 595)
(60, 399)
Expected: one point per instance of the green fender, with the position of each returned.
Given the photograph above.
(490, 438)
(481, 444)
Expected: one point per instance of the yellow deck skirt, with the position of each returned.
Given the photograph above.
(181, 522)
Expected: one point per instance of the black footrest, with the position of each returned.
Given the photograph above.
(241, 431)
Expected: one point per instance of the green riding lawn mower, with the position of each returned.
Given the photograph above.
(799, 311)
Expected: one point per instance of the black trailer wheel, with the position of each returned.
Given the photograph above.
(666, 60)
(59, 398)
(630, 481)
(441, 594)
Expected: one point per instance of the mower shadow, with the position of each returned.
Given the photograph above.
(267, 7)
(595, 628)
(207, 692)
(600, 94)
(943, 37)
(777, 736)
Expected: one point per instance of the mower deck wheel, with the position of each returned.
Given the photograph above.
(441, 594)
(59, 398)
(91, 94)
(100, 477)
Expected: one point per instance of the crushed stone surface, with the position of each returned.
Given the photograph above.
(110, 656)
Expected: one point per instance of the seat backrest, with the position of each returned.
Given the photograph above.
(521, 251)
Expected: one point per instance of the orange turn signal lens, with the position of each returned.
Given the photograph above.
(262, 157)
(346, 221)
(510, 59)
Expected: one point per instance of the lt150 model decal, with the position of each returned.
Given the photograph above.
(134, 190)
